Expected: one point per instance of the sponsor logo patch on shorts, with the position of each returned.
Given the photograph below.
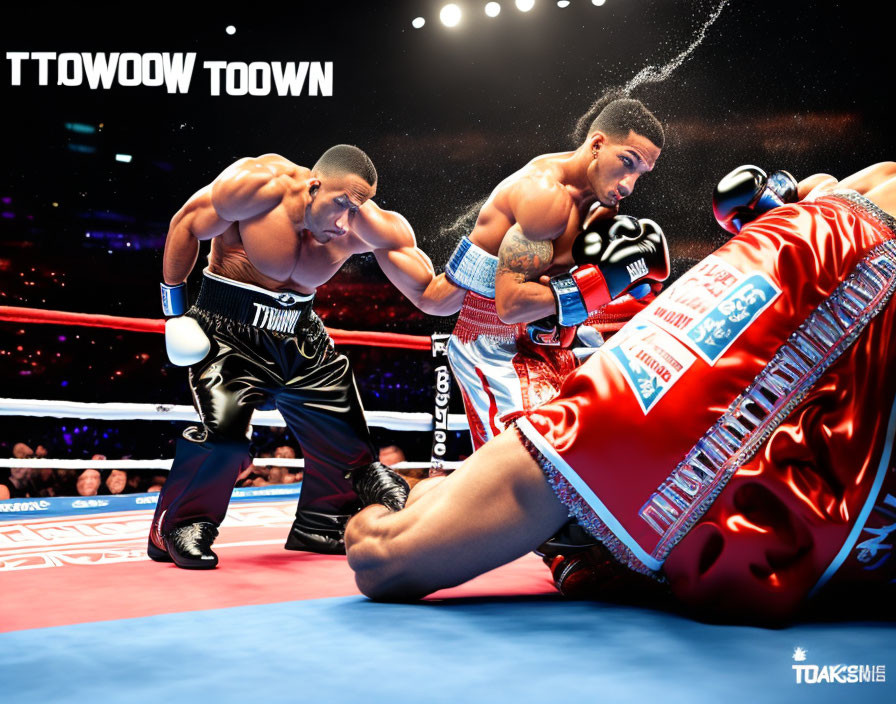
(651, 361)
(711, 306)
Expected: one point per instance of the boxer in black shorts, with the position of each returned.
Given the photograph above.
(252, 340)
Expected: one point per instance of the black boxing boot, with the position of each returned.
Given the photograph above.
(313, 531)
(155, 546)
(190, 545)
(378, 484)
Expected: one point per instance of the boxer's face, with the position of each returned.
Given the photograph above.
(617, 164)
(334, 204)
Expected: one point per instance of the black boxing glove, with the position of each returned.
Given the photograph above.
(747, 192)
(378, 484)
(594, 239)
(622, 263)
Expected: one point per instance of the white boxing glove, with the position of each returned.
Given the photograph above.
(185, 341)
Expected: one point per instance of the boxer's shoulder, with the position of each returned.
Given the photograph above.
(375, 228)
(541, 204)
(253, 185)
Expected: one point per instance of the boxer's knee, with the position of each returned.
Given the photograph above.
(229, 423)
(366, 548)
(201, 439)
(381, 572)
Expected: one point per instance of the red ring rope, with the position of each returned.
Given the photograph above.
(343, 337)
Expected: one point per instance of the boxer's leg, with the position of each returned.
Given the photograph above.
(870, 177)
(322, 408)
(883, 195)
(497, 509)
(209, 457)
(490, 386)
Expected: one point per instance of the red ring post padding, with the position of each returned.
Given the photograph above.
(17, 314)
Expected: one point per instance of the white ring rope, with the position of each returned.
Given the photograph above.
(149, 411)
(166, 464)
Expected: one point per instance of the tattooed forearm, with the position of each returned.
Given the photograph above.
(522, 258)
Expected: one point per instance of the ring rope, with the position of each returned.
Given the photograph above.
(35, 463)
(150, 411)
(17, 314)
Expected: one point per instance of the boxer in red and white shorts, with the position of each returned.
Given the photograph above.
(508, 351)
(732, 442)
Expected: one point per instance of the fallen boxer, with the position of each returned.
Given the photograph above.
(732, 442)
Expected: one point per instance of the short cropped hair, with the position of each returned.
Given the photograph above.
(346, 159)
(624, 115)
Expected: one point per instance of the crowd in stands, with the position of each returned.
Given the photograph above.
(45, 482)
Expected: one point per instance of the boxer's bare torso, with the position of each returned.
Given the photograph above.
(273, 249)
(274, 224)
(532, 218)
(542, 179)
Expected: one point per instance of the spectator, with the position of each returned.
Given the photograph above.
(89, 480)
(285, 475)
(157, 481)
(116, 482)
(45, 483)
(66, 482)
(391, 455)
(18, 484)
(254, 475)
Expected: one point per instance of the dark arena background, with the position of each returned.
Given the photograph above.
(91, 178)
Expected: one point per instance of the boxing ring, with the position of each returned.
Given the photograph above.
(86, 616)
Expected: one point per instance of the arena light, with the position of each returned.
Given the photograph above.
(492, 9)
(562, 3)
(525, 5)
(418, 22)
(450, 15)
(598, 3)
(80, 128)
(124, 158)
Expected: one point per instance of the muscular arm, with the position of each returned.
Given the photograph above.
(405, 264)
(542, 209)
(494, 509)
(519, 297)
(247, 188)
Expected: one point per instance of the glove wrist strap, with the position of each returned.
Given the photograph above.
(570, 304)
(174, 299)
